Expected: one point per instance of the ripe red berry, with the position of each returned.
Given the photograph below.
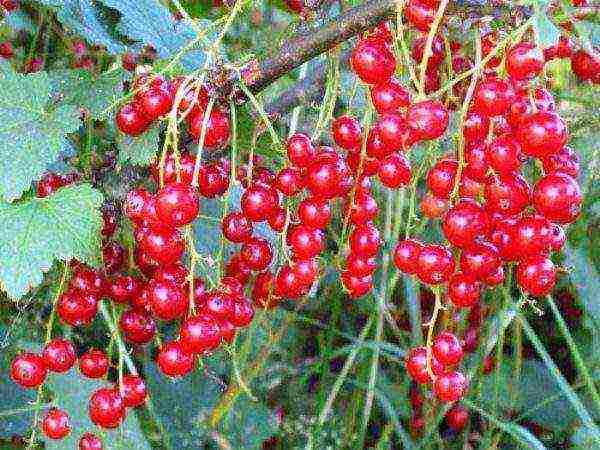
(165, 245)
(167, 300)
(306, 242)
(289, 181)
(113, 255)
(507, 194)
(347, 132)
(177, 204)
(257, 203)
(364, 240)
(218, 127)
(106, 408)
(236, 267)
(493, 96)
(585, 66)
(480, 260)
(174, 360)
(288, 284)
(360, 266)
(56, 424)
(213, 180)
(466, 222)
(451, 386)
(437, 51)
(447, 349)
(476, 126)
(503, 155)
(257, 254)
(524, 61)
(314, 212)
(457, 417)
(356, 286)
(389, 96)
(419, 14)
(154, 102)
(373, 61)
(477, 163)
(86, 280)
(28, 370)
(236, 227)
(76, 308)
(364, 208)
(137, 326)
(199, 333)
(93, 363)
(300, 150)
(532, 235)
(326, 174)
(90, 441)
(433, 207)
(59, 355)
(440, 178)
(536, 275)
(123, 288)
(428, 119)
(542, 134)
(566, 161)
(243, 312)
(435, 264)
(133, 391)
(406, 255)
(464, 290)
(131, 120)
(394, 171)
(557, 197)
(416, 365)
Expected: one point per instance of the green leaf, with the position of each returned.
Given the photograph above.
(84, 18)
(138, 150)
(150, 22)
(62, 226)
(181, 405)
(81, 88)
(32, 131)
(547, 33)
(72, 393)
(248, 424)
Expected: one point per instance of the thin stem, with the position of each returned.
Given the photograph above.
(263, 115)
(337, 385)
(205, 120)
(583, 370)
(583, 414)
(428, 44)
(116, 335)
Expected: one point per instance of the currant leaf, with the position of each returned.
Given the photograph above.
(81, 88)
(38, 231)
(150, 22)
(138, 150)
(32, 130)
(86, 19)
(72, 396)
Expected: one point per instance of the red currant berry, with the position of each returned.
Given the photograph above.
(433, 207)
(364, 208)
(154, 102)
(90, 441)
(257, 203)
(177, 204)
(236, 227)
(394, 171)
(106, 408)
(360, 266)
(243, 313)
(389, 96)
(314, 212)
(536, 275)
(419, 15)
(585, 66)
(435, 264)
(565, 161)
(532, 236)
(440, 178)
(213, 180)
(56, 424)
(86, 280)
(93, 363)
(200, 333)
(503, 154)
(113, 255)
(137, 326)
(133, 391)
(59, 355)
(347, 132)
(447, 349)
(300, 150)
(356, 286)
(542, 134)
(289, 181)
(477, 163)
(466, 222)
(364, 240)
(427, 119)
(131, 120)
(416, 365)
(174, 360)
(451, 386)
(167, 300)
(257, 254)
(373, 61)
(457, 417)
(507, 194)
(76, 308)
(557, 197)
(28, 370)
(217, 129)
(164, 245)
(306, 242)
(524, 61)
(406, 255)
(464, 290)
(480, 260)
(493, 96)
(476, 126)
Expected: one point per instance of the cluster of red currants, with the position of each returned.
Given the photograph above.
(154, 97)
(107, 406)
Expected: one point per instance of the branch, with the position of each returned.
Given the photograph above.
(299, 49)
